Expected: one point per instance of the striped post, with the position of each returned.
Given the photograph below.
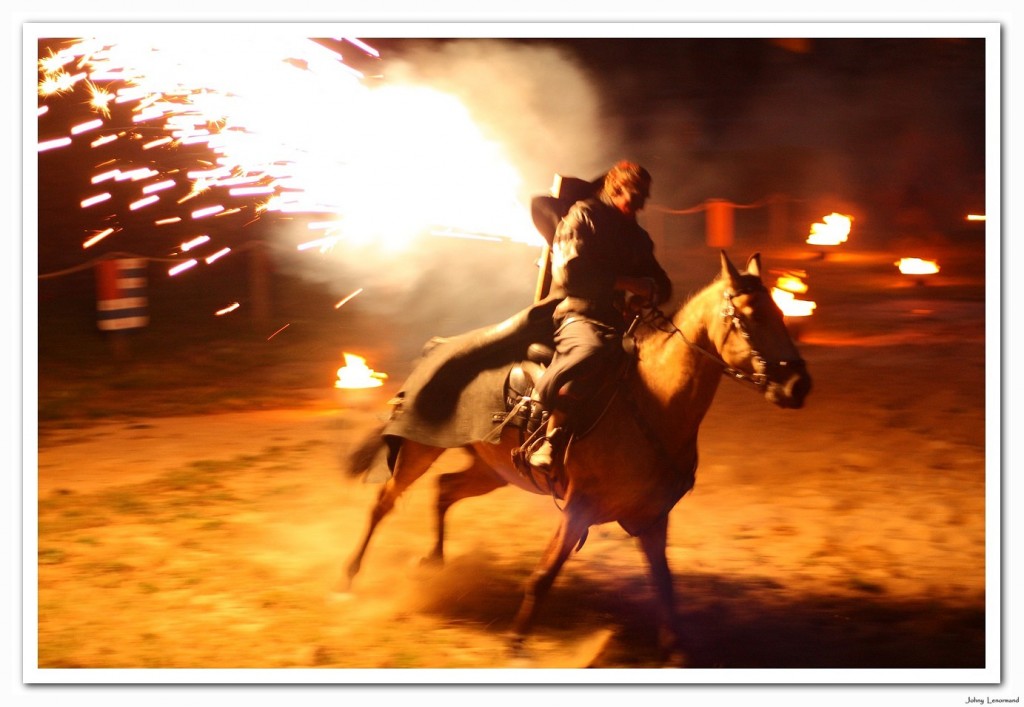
(121, 301)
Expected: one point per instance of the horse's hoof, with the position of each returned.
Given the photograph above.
(431, 561)
(340, 597)
(676, 659)
(518, 655)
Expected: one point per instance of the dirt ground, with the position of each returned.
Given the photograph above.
(847, 535)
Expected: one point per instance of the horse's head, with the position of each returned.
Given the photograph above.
(754, 340)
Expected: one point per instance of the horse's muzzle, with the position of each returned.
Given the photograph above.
(788, 384)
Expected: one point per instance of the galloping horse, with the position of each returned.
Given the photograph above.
(640, 457)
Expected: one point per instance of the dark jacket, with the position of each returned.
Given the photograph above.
(593, 245)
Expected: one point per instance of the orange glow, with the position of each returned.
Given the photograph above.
(917, 266)
(834, 229)
(792, 282)
(356, 374)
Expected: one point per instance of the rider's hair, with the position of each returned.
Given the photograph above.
(626, 176)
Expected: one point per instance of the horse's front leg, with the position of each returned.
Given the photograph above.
(653, 542)
(568, 536)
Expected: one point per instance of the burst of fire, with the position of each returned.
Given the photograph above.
(917, 266)
(278, 124)
(833, 230)
(356, 374)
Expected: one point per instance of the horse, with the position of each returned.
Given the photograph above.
(640, 456)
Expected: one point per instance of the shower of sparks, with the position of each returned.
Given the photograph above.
(244, 127)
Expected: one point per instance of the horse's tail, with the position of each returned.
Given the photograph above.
(362, 457)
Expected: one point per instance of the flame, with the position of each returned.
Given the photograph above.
(356, 374)
(917, 266)
(790, 305)
(834, 230)
(792, 282)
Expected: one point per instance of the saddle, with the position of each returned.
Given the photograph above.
(526, 414)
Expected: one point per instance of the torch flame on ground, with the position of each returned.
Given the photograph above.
(790, 305)
(834, 229)
(356, 374)
(789, 284)
(917, 266)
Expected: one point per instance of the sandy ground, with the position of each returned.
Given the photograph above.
(847, 535)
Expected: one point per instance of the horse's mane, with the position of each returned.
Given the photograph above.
(662, 322)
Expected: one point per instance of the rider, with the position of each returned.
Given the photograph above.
(600, 255)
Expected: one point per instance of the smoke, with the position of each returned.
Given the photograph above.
(541, 114)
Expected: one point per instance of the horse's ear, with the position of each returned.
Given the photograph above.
(754, 265)
(729, 270)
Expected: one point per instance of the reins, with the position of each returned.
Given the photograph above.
(758, 379)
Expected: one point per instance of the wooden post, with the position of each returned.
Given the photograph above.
(719, 223)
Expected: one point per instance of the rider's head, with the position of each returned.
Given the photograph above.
(627, 187)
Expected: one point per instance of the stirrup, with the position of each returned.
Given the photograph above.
(543, 457)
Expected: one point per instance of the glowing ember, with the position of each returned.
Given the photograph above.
(356, 374)
(790, 305)
(917, 266)
(975, 217)
(834, 230)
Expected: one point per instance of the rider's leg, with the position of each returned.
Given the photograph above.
(543, 457)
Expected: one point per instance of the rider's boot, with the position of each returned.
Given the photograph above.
(552, 445)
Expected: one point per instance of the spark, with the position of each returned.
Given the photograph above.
(340, 304)
(197, 241)
(279, 331)
(52, 144)
(97, 238)
(230, 308)
(144, 202)
(182, 267)
(217, 256)
(85, 127)
(92, 200)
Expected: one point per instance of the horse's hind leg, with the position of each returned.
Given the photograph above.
(412, 462)
(475, 480)
(653, 542)
(568, 537)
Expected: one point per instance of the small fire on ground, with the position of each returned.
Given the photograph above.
(833, 230)
(787, 287)
(356, 374)
(917, 266)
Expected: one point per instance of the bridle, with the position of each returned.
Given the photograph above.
(763, 368)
